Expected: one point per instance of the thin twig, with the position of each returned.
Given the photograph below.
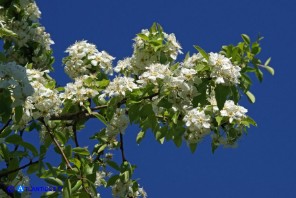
(6, 125)
(18, 169)
(56, 143)
(17, 145)
(122, 148)
(75, 134)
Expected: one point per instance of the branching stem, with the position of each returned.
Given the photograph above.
(56, 143)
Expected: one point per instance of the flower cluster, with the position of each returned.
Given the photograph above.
(123, 65)
(14, 78)
(222, 70)
(152, 47)
(191, 61)
(118, 123)
(85, 59)
(78, 92)
(154, 72)
(198, 124)
(173, 48)
(44, 102)
(119, 86)
(181, 92)
(233, 112)
(27, 41)
(31, 10)
(120, 189)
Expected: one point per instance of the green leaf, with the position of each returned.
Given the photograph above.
(5, 107)
(88, 169)
(126, 176)
(33, 168)
(202, 52)
(102, 147)
(214, 146)
(67, 189)
(219, 119)
(246, 38)
(202, 98)
(14, 139)
(81, 151)
(51, 169)
(54, 181)
(68, 151)
(175, 117)
(221, 93)
(140, 136)
(267, 61)
(5, 151)
(100, 117)
(30, 147)
(5, 132)
(76, 187)
(113, 165)
(143, 36)
(177, 140)
(12, 165)
(133, 112)
(76, 162)
(18, 113)
(193, 147)
(247, 121)
(251, 97)
(61, 136)
(259, 74)
(269, 69)
(112, 180)
(7, 32)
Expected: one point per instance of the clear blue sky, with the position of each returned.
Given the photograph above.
(264, 164)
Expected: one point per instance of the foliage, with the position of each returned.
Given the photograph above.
(179, 101)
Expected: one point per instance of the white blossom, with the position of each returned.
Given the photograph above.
(100, 178)
(187, 74)
(123, 190)
(44, 102)
(85, 59)
(145, 54)
(118, 123)
(173, 47)
(198, 124)
(222, 69)
(154, 72)
(77, 91)
(122, 65)
(30, 9)
(119, 86)
(14, 78)
(181, 92)
(233, 112)
(191, 61)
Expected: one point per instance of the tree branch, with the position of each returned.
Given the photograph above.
(56, 143)
(18, 169)
(84, 114)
